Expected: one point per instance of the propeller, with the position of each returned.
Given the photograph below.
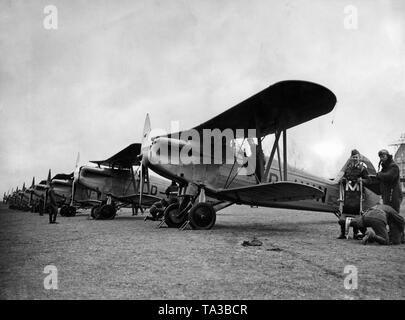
(75, 179)
(31, 190)
(48, 184)
(144, 173)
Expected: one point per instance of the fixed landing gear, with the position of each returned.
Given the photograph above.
(173, 216)
(103, 212)
(93, 211)
(202, 216)
(67, 211)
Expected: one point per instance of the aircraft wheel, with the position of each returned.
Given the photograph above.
(202, 216)
(172, 217)
(94, 213)
(71, 211)
(64, 211)
(107, 211)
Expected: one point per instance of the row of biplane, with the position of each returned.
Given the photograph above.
(206, 184)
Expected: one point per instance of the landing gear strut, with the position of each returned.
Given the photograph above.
(200, 216)
(173, 216)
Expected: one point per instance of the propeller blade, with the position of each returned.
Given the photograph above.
(146, 131)
(72, 196)
(144, 150)
(48, 184)
(77, 160)
(145, 143)
(141, 186)
(75, 179)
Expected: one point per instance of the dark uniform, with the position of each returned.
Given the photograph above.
(157, 209)
(389, 179)
(351, 207)
(40, 205)
(52, 205)
(396, 224)
(376, 219)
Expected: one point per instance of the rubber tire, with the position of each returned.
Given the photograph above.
(95, 212)
(170, 217)
(202, 216)
(71, 211)
(107, 212)
(64, 211)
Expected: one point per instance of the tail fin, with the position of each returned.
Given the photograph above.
(48, 180)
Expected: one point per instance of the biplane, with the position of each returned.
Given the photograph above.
(38, 194)
(19, 199)
(84, 198)
(211, 182)
(117, 184)
(25, 198)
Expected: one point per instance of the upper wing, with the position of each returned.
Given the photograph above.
(281, 106)
(126, 158)
(266, 193)
(63, 176)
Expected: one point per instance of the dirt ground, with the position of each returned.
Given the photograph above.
(128, 258)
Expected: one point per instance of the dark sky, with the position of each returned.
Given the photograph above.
(88, 85)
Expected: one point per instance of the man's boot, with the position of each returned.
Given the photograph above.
(357, 235)
(342, 231)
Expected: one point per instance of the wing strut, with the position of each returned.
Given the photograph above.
(283, 171)
(273, 150)
(284, 154)
(133, 179)
(280, 171)
(259, 155)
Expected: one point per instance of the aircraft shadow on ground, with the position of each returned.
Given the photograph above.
(269, 227)
(137, 218)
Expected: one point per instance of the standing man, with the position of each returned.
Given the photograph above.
(354, 170)
(388, 177)
(52, 204)
(40, 205)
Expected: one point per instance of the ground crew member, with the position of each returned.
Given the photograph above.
(389, 179)
(52, 205)
(353, 172)
(40, 205)
(158, 208)
(376, 219)
(396, 224)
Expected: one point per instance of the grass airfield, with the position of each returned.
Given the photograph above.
(127, 258)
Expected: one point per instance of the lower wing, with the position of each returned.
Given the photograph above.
(266, 193)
